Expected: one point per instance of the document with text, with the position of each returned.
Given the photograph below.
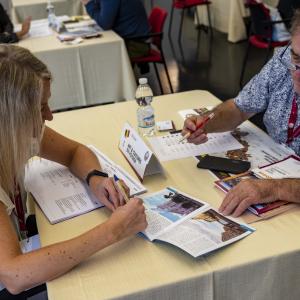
(61, 195)
(188, 223)
(169, 147)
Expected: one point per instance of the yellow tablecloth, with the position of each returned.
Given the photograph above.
(95, 71)
(265, 265)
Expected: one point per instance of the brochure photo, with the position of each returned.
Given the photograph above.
(188, 223)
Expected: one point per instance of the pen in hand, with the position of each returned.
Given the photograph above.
(209, 117)
(121, 188)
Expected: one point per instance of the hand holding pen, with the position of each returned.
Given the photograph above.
(193, 129)
(121, 188)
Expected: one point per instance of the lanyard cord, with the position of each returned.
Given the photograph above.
(292, 131)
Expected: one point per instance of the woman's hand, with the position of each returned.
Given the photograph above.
(198, 136)
(128, 219)
(106, 191)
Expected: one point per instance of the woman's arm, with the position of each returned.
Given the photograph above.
(22, 271)
(80, 160)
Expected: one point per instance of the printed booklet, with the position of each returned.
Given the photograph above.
(286, 168)
(192, 225)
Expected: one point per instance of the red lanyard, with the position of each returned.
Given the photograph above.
(292, 131)
(19, 210)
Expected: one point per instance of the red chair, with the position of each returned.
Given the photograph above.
(261, 32)
(156, 20)
(183, 5)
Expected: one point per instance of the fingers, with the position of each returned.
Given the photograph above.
(197, 136)
(126, 190)
(235, 203)
(105, 201)
(113, 194)
(140, 217)
(190, 124)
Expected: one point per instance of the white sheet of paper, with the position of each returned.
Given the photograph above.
(59, 193)
(288, 168)
(112, 169)
(30, 244)
(167, 147)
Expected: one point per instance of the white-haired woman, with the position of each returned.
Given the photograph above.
(24, 93)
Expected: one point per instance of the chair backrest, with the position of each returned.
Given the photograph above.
(259, 15)
(157, 20)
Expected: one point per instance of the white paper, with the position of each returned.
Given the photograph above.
(40, 28)
(168, 147)
(137, 153)
(164, 125)
(112, 169)
(185, 113)
(188, 223)
(260, 149)
(30, 244)
(59, 193)
(288, 168)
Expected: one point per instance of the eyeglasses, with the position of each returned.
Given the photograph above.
(287, 63)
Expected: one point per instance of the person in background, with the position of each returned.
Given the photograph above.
(7, 34)
(275, 91)
(24, 95)
(127, 18)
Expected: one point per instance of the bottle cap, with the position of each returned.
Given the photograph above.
(143, 80)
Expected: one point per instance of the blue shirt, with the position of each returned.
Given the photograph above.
(126, 17)
(271, 91)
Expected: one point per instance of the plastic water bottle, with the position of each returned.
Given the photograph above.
(145, 111)
(51, 15)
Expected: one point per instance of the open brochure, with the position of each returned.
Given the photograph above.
(226, 184)
(286, 168)
(61, 195)
(190, 224)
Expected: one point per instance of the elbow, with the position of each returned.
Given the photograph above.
(13, 287)
(12, 282)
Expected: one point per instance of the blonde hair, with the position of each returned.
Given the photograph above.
(21, 88)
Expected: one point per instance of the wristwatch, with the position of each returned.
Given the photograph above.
(94, 173)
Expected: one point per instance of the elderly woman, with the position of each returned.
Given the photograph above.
(275, 91)
(24, 94)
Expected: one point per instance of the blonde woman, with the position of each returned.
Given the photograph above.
(24, 94)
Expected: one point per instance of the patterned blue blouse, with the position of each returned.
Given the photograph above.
(271, 91)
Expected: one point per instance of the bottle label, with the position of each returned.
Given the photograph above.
(147, 122)
(144, 100)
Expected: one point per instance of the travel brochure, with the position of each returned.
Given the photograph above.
(189, 223)
(286, 168)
